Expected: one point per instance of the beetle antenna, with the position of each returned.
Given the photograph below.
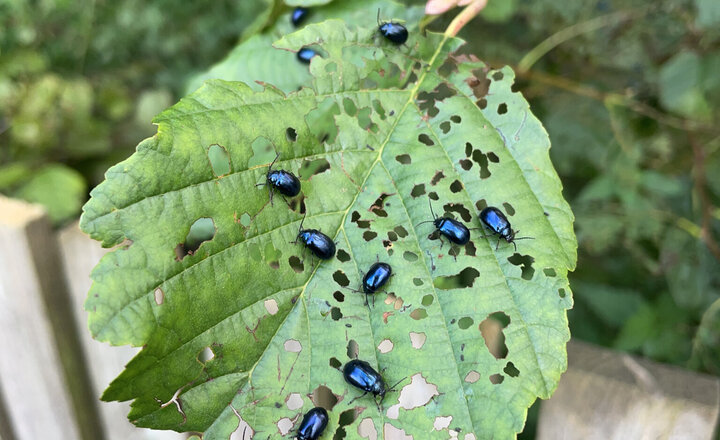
(421, 223)
(392, 388)
(431, 210)
(301, 223)
(273, 162)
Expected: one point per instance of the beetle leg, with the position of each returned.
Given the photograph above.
(357, 397)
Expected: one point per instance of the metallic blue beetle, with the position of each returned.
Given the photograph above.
(313, 424)
(299, 15)
(305, 55)
(395, 32)
(281, 181)
(452, 229)
(375, 279)
(361, 375)
(319, 244)
(498, 224)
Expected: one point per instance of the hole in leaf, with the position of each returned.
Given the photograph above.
(465, 322)
(291, 134)
(445, 127)
(347, 417)
(509, 210)
(410, 256)
(342, 256)
(340, 278)
(271, 306)
(364, 120)
(427, 300)
(324, 397)
(437, 177)
(497, 76)
(159, 296)
(296, 264)
(377, 105)
(297, 204)
(425, 139)
(294, 401)
(427, 100)
(202, 230)
(456, 119)
(549, 272)
(254, 251)
(205, 355)
(417, 340)
(525, 262)
(418, 281)
(245, 219)
(402, 232)
(492, 157)
(418, 314)
(466, 164)
(311, 168)
(219, 160)
(418, 190)
(338, 295)
(263, 152)
(387, 244)
(481, 159)
(404, 159)
(292, 346)
(350, 107)
(321, 120)
(468, 149)
(481, 204)
(491, 329)
(470, 249)
(272, 255)
(379, 204)
(352, 349)
(335, 363)
(511, 370)
(385, 346)
(466, 278)
(502, 109)
(392, 236)
(335, 314)
(561, 292)
(369, 235)
(456, 186)
(472, 377)
(458, 208)
(497, 379)
(433, 196)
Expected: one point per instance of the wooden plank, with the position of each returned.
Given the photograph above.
(80, 254)
(607, 395)
(35, 389)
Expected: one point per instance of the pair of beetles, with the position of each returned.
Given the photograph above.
(393, 32)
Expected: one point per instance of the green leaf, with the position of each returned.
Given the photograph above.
(254, 60)
(61, 190)
(708, 13)
(244, 328)
(680, 91)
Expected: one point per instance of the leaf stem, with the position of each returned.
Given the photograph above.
(573, 31)
(465, 16)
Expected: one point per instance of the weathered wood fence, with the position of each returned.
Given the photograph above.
(52, 372)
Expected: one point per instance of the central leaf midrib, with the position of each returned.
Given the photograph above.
(379, 150)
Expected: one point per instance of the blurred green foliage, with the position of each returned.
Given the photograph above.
(80, 81)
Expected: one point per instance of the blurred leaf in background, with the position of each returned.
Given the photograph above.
(81, 80)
